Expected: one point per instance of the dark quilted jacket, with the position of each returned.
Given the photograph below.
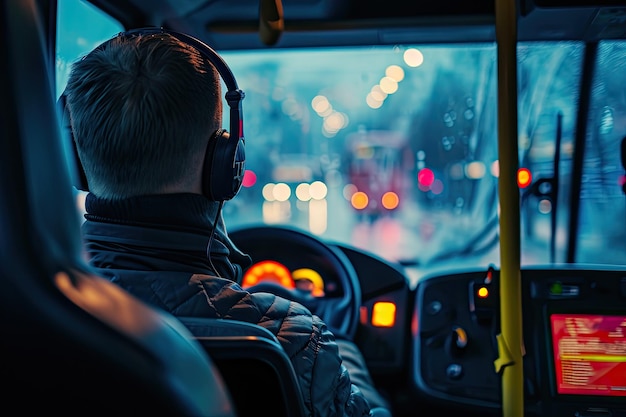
(156, 248)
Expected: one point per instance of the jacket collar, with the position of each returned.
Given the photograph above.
(163, 224)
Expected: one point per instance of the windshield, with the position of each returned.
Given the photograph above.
(393, 149)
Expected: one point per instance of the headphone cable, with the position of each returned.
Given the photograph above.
(208, 247)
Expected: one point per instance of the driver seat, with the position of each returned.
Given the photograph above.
(73, 343)
(257, 371)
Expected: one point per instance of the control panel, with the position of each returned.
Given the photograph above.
(574, 320)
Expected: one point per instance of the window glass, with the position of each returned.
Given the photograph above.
(80, 28)
(400, 140)
(403, 140)
(548, 92)
(603, 202)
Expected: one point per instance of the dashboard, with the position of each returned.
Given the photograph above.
(438, 342)
(277, 264)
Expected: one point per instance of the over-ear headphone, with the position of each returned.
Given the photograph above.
(224, 162)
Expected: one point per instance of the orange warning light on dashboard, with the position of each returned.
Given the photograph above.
(384, 314)
(482, 292)
(524, 177)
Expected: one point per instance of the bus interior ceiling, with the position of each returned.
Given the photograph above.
(234, 25)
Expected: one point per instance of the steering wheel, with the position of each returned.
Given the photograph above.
(295, 249)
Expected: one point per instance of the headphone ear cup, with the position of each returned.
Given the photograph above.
(224, 166)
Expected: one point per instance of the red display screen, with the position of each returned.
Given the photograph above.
(589, 354)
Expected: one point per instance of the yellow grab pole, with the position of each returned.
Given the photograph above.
(510, 344)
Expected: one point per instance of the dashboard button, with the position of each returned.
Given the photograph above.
(454, 371)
